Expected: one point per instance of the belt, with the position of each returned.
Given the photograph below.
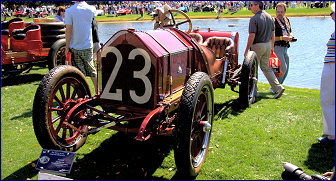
(330, 62)
(282, 46)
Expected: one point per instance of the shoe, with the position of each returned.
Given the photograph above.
(326, 140)
(270, 89)
(279, 93)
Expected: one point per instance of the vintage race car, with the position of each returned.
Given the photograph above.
(24, 45)
(157, 82)
(124, 11)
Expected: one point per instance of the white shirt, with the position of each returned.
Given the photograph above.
(80, 16)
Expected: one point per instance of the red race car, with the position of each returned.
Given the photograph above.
(19, 14)
(157, 82)
(124, 11)
(24, 45)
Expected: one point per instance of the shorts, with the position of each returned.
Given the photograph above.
(83, 60)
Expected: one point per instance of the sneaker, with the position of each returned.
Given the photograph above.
(279, 93)
(270, 89)
(326, 140)
(256, 94)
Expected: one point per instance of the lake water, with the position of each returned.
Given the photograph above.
(306, 55)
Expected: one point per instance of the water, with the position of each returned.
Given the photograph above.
(306, 55)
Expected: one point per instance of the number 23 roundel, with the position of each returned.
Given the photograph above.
(127, 75)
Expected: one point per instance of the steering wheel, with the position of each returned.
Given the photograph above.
(176, 24)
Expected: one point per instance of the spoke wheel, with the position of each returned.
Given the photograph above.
(249, 80)
(193, 128)
(59, 91)
(174, 22)
(57, 54)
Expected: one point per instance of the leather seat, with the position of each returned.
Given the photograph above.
(220, 46)
(5, 25)
(20, 34)
(197, 37)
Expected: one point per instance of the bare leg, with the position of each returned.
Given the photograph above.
(95, 83)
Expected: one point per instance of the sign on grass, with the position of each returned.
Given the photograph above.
(55, 161)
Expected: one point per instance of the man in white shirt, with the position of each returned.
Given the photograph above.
(78, 20)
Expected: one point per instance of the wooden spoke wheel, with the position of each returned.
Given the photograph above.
(59, 91)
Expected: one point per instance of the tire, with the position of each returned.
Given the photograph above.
(192, 141)
(50, 135)
(248, 79)
(56, 54)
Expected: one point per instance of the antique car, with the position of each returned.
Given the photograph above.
(19, 14)
(156, 82)
(24, 45)
(124, 11)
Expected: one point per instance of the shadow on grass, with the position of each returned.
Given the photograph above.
(20, 79)
(122, 157)
(28, 171)
(27, 114)
(118, 157)
(321, 157)
(139, 18)
(233, 106)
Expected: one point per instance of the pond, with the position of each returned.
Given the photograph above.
(306, 55)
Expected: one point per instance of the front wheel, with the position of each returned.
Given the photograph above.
(194, 123)
(59, 91)
(249, 80)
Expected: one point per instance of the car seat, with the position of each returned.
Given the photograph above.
(6, 31)
(26, 39)
(220, 46)
(197, 37)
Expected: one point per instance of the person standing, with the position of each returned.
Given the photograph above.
(78, 36)
(158, 13)
(219, 15)
(283, 35)
(327, 89)
(60, 14)
(261, 41)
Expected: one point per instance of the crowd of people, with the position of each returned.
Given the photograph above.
(147, 7)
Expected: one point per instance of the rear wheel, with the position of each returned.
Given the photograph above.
(59, 91)
(193, 127)
(56, 54)
(249, 80)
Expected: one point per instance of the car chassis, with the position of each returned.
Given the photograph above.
(158, 82)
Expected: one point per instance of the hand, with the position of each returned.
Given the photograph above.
(286, 38)
(245, 53)
(327, 174)
(66, 51)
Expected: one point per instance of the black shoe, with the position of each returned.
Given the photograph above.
(326, 140)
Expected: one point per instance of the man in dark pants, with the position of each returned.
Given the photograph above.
(261, 41)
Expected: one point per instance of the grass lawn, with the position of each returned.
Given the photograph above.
(245, 144)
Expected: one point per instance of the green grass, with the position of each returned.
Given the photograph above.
(245, 144)
(244, 13)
